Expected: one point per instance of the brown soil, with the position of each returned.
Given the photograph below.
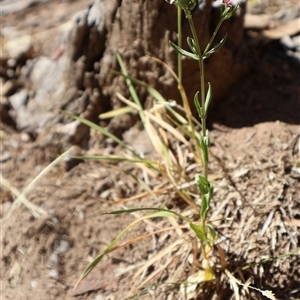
(255, 170)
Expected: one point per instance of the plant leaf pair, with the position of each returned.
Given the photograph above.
(202, 111)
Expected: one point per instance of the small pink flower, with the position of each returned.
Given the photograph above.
(227, 2)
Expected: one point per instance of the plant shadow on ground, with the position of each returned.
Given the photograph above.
(286, 289)
(269, 93)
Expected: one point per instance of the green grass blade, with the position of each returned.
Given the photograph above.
(131, 87)
(102, 130)
(163, 212)
(129, 160)
(159, 213)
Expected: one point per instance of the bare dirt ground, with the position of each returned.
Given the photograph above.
(255, 162)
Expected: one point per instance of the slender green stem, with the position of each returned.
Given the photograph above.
(180, 85)
(179, 31)
(202, 83)
(203, 118)
(213, 36)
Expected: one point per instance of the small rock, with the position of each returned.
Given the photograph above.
(11, 62)
(54, 274)
(18, 100)
(296, 40)
(62, 246)
(5, 156)
(294, 55)
(14, 275)
(9, 87)
(139, 140)
(34, 283)
(287, 43)
(53, 260)
(25, 137)
(75, 131)
(10, 73)
(14, 143)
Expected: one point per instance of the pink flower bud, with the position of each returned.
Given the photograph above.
(227, 2)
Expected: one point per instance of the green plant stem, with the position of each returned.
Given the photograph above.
(179, 56)
(203, 118)
(202, 80)
(180, 85)
(213, 36)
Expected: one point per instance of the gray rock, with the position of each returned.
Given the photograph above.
(18, 100)
(74, 131)
(296, 40)
(287, 42)
(294, 55)
(5, 156)
(49, 85)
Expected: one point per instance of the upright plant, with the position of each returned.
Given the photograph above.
(203, 230)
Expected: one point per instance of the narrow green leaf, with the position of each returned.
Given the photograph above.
(204, 147)
(215, 49)
(131, 88)
(102, 130)
(202, 184)
(205, 206)
(197, 104)
(184, 52)
(212, 234)
(191, 44)
(155, 94)
(229, 14)
(170, 212)
(224, 11)
(201, 180)
(110, 247)
(199, 231)
(221, 43)
(207, 100)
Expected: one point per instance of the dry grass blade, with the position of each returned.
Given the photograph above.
(116, 112)
(158, 256)
(155, 273)
(21, 197)
(36, 211)
(235, 282)
(149, 166)
(160, 122)
(156, 192)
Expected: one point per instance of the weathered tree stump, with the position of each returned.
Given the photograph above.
(78, 77)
